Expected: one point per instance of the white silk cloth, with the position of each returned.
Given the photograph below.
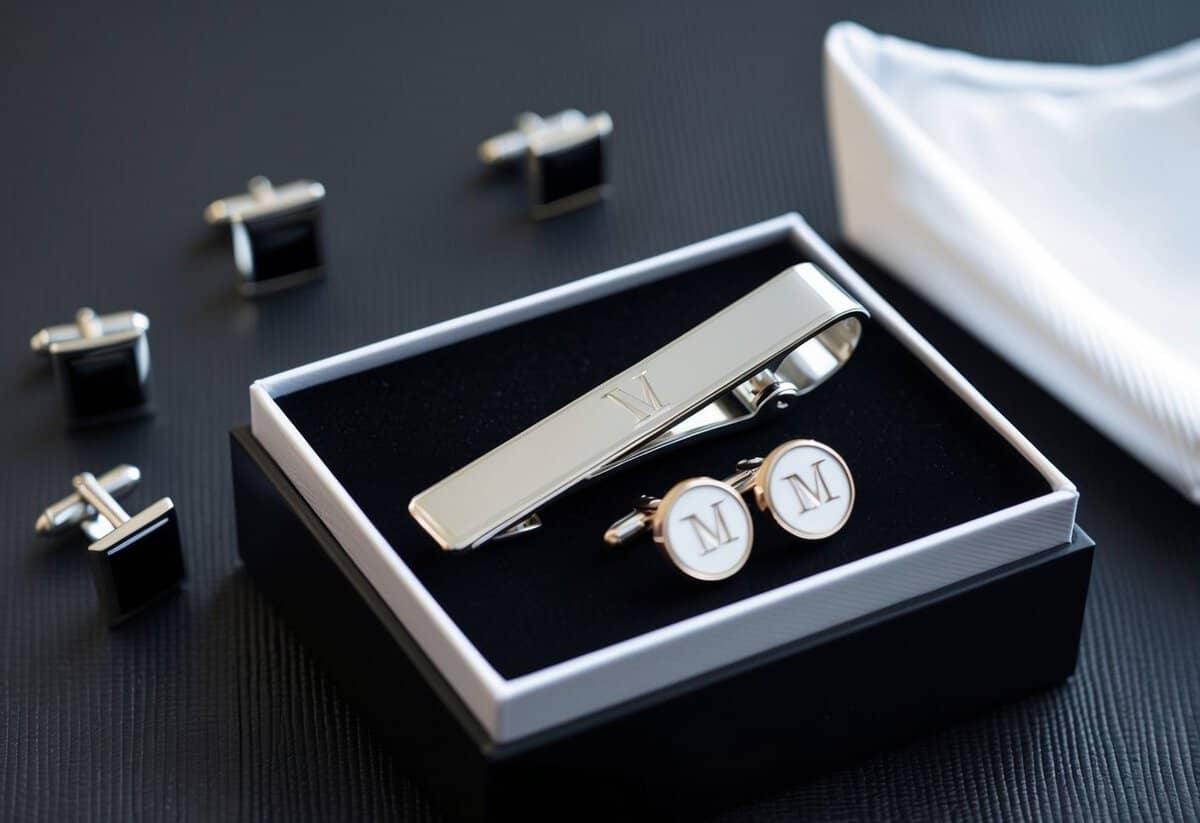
(1053, 210)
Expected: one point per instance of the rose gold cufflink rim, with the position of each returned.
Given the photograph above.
(762, 494)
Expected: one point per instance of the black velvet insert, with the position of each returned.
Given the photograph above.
(922, 461)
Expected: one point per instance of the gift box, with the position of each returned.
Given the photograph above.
(552, 673)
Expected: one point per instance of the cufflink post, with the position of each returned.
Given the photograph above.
(510, 146)
(565, 158)
(101, 362)
(88, 326)
(97, 497)
(135, 560)
(634, 523)
(276, 233)
(263, 197)
(74, 510)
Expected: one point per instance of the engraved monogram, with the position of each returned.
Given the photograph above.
(642, 408)
(814, 496)
(713, 538)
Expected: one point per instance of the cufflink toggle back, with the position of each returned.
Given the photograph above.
(704, 525)
(276, 233)
(781, 340)
(134, 559)
(565, 158)
(101, 362)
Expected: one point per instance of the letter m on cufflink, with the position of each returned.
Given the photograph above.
(711, 539)
(811, 496)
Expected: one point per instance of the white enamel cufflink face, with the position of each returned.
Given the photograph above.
(705, 527)
(807, 488)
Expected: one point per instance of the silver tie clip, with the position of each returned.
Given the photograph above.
(754, 357)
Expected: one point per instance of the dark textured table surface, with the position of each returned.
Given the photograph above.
(119, 125)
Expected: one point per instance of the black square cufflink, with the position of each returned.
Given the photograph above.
(566, 166)
(276, 233)
(135, 560)
(101, 363)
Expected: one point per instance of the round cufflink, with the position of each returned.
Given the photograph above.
(101, 363)
(807, 487)
(566, 166)
(276, 233)
(702, 525)
(135, 560)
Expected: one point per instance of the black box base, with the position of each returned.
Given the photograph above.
(711, 742)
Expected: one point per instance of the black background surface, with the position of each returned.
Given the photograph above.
(120, 125)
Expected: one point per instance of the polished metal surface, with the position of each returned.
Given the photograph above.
(263, 198)
(131, 525)
(89, 326)
(586, 197)
(98, 499)
(75, 510)
(537, 134)
(93, 506)
(799, 325)
(634, 523)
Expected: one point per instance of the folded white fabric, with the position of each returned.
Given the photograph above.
(1050, 209)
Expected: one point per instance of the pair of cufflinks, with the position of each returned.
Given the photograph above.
(276, 231)
(704, 526)
(102, 362)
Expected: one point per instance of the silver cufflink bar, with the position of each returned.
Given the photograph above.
(751, 359)
(276, 233)
(101, 363)
(565, 157)
(135, 559)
